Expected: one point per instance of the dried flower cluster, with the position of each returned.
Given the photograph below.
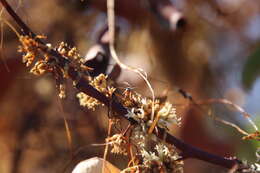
(87, 101)
(141, 108)
(100, 83)
(118, 143)
(155, 155)
(153, 162)
(76, 60)
(162, 159)
(152, 154)
(32, 49)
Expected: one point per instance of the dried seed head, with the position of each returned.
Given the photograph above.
(167, 115)
(100, 83)
(31, 49)
(87, 101)
(162, 158)
(40, 68)
(140, 109)
(118, 143)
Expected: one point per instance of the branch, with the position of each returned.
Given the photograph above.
(82, 85)
(236, 107)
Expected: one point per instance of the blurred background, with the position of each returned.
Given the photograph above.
(215, 53)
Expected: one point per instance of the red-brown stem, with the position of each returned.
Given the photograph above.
(82, 85)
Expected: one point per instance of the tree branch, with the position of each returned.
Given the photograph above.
(82, 85)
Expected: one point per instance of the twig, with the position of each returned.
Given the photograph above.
(232, 125)
(25, 29)
(83, 86)
(111, 29)
(190, 98)
(110, 121)
(236, 107)
(67, 129)
(222, 101)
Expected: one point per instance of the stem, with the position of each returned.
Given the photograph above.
(25, 29)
